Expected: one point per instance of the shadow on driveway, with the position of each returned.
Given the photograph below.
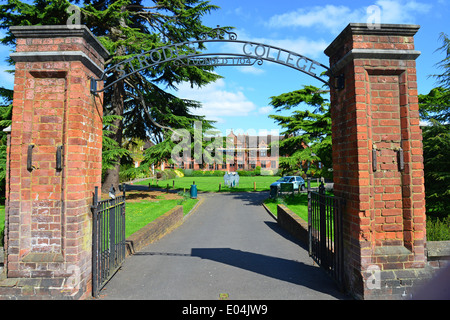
(250, 198)
(290, 271)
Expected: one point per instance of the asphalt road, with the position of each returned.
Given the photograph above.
(228, 246)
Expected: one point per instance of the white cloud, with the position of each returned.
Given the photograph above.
(303, 45)
(250, 70)
(265, 110)
(217, 101)
(332, 18)
(401, 11)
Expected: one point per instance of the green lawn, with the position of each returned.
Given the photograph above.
(211, 184)
(139, 214)
(298, 204)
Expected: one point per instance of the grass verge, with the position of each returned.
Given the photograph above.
(298, 204)
(139, 214)
(211, 184)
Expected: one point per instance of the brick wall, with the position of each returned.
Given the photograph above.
(373, 118)
(292, 223)
(49, 221)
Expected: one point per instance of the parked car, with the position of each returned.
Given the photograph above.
(299, 182)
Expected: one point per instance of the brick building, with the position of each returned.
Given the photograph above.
(242, 152)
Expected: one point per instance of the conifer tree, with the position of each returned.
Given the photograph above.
(308, 133)
(127, 28)
(6, 96)
(434, 108)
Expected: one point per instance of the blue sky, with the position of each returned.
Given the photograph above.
(240, 101)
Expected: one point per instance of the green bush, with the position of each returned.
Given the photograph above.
(438, 229)
(243, 173)
(203, 173)
(197, 173)
(166, 174)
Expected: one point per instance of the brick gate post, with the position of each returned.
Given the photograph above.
(54, 162)
(377, 159)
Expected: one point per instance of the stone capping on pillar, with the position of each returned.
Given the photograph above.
(59, 31)
(57, 56)
(55, 31)
(374, 54)
(403, 30)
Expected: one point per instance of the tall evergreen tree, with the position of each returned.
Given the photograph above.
(6, 96)
(435, 109)
(127, 28)
(308, 133)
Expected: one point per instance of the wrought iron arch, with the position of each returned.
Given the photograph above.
(252, 52)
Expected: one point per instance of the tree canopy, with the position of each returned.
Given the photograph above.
(140, 106)
(435, 110)
(307, 132)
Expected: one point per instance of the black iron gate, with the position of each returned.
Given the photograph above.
(325, 232)
(108, 243)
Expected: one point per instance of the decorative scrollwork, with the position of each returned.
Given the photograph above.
(218, 34)
(252, 53)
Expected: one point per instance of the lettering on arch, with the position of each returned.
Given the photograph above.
(185, 53)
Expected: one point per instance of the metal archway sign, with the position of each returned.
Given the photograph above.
(252, 53)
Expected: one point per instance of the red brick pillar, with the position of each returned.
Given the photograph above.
(55, 118)
(377, 158)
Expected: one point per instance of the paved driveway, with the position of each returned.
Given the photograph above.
(228, 245)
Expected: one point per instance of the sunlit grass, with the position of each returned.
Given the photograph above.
(211, 184)
(139, 214)
(298, 204)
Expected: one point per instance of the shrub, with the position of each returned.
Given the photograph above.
(203, 173)
(217, 173)
(128, 172)
(268, 172)
(437, 229)
(166, 174)
(243, 173)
